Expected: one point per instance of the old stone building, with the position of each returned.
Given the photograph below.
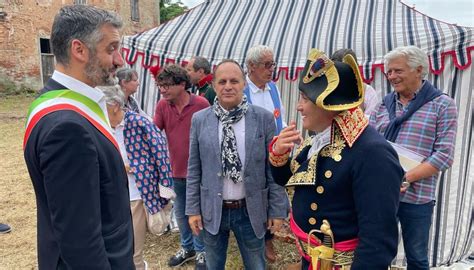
(25, 26)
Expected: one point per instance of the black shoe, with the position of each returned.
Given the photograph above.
(200, 261)
(181, 257)
(4, 228)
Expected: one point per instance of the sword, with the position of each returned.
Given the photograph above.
(324, 252)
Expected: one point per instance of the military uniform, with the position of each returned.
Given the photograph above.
(205, 89)
(352, 185)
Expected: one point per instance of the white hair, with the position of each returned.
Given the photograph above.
(414, 55)
(256, 53)
(113, 95)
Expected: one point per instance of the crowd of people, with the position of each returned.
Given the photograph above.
(225, 158)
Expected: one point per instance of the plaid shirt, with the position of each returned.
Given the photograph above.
(430, 131)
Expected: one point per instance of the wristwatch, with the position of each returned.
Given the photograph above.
(405, 183)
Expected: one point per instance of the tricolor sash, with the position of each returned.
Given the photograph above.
(276, 105)
(59, 100)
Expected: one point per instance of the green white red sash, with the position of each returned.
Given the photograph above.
(59, 100)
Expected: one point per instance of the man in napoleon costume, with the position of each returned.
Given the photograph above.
(345, 188)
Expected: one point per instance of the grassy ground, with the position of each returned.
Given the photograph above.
(18, 207)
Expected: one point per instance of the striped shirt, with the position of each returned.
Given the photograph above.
(431, 132)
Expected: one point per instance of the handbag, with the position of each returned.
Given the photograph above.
(158, 222)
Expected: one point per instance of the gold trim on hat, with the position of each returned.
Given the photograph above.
(321, 64)
(348, 59)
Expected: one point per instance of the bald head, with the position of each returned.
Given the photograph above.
(229, 83)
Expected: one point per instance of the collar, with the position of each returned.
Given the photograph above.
(191, 99)
(206, 80)
(77, 86)
(351, 123)
(254, 88)
(397, 95)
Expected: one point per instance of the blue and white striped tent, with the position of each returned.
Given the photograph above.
(219, 29)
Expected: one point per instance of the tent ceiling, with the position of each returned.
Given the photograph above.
(221, 29)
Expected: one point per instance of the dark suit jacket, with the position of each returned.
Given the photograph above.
(82, 197)
(358, 195)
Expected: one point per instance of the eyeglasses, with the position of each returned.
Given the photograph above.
(270, 64)
(164, 86)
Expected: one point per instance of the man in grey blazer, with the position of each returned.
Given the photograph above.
(229, 183)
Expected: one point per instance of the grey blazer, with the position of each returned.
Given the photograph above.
(264, 198)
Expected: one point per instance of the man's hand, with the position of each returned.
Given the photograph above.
(274, 224)
(288, 138)
(195, 223)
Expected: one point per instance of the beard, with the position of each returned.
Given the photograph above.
(98, 74)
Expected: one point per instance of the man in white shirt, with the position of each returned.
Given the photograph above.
(263, 92)
(72, 157)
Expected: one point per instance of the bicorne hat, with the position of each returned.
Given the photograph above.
(332, 86)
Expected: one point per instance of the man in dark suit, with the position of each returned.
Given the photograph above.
(84, 219)
(229, 185)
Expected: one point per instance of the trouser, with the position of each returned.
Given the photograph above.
(188, 240)
(139, 230)
(415, 220)
(251, 248)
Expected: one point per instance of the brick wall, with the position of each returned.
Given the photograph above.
(27, 21)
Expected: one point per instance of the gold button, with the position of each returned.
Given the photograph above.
(337, 158)
(314, 206)
(320, 189)
(328, 174)
(312, 221)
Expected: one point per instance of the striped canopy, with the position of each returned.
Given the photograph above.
(219, 29)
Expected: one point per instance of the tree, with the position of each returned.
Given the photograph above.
(170, 10)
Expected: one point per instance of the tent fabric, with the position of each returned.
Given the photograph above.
(219, 29)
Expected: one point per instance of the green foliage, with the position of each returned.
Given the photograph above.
(170, 10)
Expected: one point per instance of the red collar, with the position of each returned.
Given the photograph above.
(351, 123)
(206, 80)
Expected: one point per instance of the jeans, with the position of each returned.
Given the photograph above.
(251, 248)
(415, 220)
(188, 240)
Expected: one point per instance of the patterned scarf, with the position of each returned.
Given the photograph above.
(231, 164)
(132, 105)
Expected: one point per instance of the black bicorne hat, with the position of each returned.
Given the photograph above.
(333, 86)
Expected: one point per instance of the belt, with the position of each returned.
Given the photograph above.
(233, 204)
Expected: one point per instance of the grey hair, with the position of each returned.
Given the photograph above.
(201, 62)
(125, 74)
(79, 22)
(113, 95)
(415, 56)
(255, 54)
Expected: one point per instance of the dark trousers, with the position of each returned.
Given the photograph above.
(415, 220)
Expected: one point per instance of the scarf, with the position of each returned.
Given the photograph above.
(231, 164)
(132, 104)
(426, 94)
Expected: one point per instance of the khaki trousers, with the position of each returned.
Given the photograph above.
(139, 230)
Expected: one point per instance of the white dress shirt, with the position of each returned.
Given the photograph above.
(372, 100)
(77, 86)
(263, 98)
(231, 190)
